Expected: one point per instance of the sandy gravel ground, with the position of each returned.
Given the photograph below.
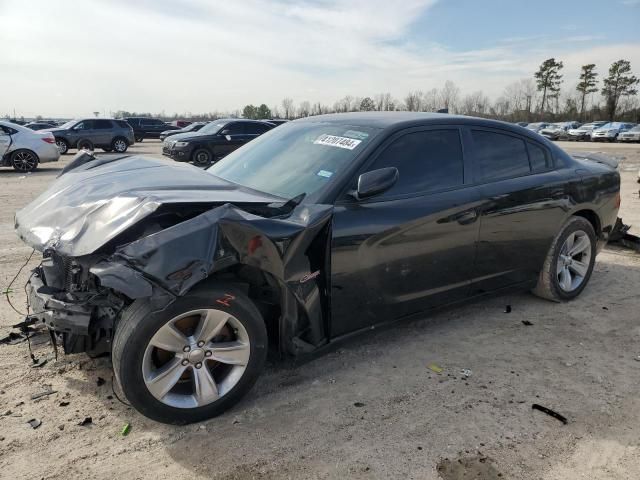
(372, 409)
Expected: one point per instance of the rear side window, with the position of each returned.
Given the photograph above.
(122, 123)
(498, 156)
(102, 124)
(426, 161)
(539, 158)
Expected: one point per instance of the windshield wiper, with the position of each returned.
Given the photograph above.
(288, 206)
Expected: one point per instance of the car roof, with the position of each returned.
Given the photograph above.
(398, 120)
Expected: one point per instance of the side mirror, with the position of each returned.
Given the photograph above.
(377, 181)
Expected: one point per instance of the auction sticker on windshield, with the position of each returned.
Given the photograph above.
(335, 141)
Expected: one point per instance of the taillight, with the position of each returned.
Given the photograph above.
(49, 140)
(618, 200)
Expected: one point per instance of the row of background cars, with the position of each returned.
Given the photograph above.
(24, 147)
(599, 131)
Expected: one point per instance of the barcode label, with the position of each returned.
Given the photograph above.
(340, 142)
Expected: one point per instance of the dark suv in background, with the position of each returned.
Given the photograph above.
(144, 127)
(213, 141)
(89, 133)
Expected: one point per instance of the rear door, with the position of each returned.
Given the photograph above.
(103, 132)
(412, 247)
(524, 202)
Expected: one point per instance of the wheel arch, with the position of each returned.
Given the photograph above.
(592, 217)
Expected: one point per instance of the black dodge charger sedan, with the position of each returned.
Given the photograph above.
(213, 141)
(318, 229)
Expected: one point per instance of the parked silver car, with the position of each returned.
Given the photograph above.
(537, 126)
(609, 132)
(583, 132)
(23, 149)
(632, 135)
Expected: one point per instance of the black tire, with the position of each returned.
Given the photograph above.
(140, 323)
(63, 146)
(139, 138)
(202, 157)
(24, 160)
(119, 145)
(548, 285)
(85, 144)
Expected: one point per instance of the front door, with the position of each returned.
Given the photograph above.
(5, 141)
(412, 247)
(231, 137)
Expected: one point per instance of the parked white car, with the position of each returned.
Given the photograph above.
(24, 149)
(632, 135)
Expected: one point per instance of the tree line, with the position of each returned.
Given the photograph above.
(539, 98)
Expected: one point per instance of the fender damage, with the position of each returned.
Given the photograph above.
(112, 232)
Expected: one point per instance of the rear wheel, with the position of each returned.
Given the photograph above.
(202, 157)
(139, 138)
(193, 360)
(569, 263)
(119, 145)
(85, 144)
(24, 160)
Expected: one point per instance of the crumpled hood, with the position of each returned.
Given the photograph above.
(88, 206)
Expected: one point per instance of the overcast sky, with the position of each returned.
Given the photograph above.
(69, 58)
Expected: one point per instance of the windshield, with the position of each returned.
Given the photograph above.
(69, 124)
(189, 127)
(295, 158)
(213, 127)
(635, 129)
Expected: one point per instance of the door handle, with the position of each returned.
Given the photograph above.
(465, 218)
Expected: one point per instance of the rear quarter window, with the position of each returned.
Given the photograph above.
(539, 158)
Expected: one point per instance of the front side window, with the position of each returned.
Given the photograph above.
(236, 128)
(498, 156)
(427, 161)
(84, 125)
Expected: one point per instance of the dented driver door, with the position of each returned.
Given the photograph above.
(410, 248)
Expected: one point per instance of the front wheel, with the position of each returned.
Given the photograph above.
(202, 157)
(192, 361)
(139, 138)
(569, 263)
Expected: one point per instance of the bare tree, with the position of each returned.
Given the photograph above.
(304, 110)
(449, 96)
(287, 107)
(476, 103)
(430, 100)
(413, 101)
(382, 101)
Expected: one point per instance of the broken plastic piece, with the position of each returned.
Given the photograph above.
(125, 430)
(466, 372)
(35, 396)
(550, 412)
(86, 421)
(34, 423)
(434, 367)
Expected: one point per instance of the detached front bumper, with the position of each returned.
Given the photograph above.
(58, 313)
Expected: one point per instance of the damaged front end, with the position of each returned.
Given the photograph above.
(138, 229)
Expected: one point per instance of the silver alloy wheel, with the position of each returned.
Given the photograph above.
(24, 161)
(195, 366)
(119, 145)
(573, 261)
(62, 146)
